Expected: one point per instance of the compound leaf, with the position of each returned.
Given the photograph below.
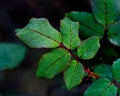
(53, 63)
(88, 25)
(104, 70)
(114, 34)
(116, 69)
(11, 55)
(39, 34)
(74, 74)
(105, 11)
(101, 87)
(69, 30)
(88, 48)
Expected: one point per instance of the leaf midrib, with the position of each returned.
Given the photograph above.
(70, 33)
(86, 48)
(44, 35)
(73, 75)
(105, 89)
(54, 62)
(91, 28)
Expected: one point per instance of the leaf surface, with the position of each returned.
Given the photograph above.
(116, 69)
(53, 63)
(105, 11)
(114, 34)
(74, 74)
(88, 48)
(11, 55)
(88, 25)
(39, 34)
(69, 30)
(104, 70)
(101, 87)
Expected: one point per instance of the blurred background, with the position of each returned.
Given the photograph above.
(22, 81)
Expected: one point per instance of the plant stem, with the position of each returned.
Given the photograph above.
(87, 70)
(116, 83)
(74, 56)
(91, 74)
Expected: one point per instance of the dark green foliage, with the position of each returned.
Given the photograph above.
(101, 87)
(116, 69)
(104, 70)
(105, 13)
(88, 24)
(80, 38)
(114, 33)
(11, 55)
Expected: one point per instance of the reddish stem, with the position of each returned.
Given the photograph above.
(91, 74)
(116, 83)
(75, 57)
(87, 70)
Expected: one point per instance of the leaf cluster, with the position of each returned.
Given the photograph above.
(70, 46)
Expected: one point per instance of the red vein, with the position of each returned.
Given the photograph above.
(75, 57)
(116, 83)
(55, 61)
(44, 35)
(73, 74)
(105, 88)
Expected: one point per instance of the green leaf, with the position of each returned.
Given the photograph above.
(39, 34)
(104, 10)
(69, 30)
(88, 48)
(104, 70)
(101, 87)
(53, 63)
(116, 69)
(74, 74)
(117, 7)
(114, 34)
(88, 25)
(11, 55)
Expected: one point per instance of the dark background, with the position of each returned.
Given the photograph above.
(22, 81)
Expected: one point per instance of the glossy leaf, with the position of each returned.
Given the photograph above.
(88, 25)
(39, 34)
(53, 63)
(116, 69)
(104, 10)
(74, 74)
(11, 55)
(101, 87)
(88, 48)
(104, 70)
(114, 34)
(69, 30)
